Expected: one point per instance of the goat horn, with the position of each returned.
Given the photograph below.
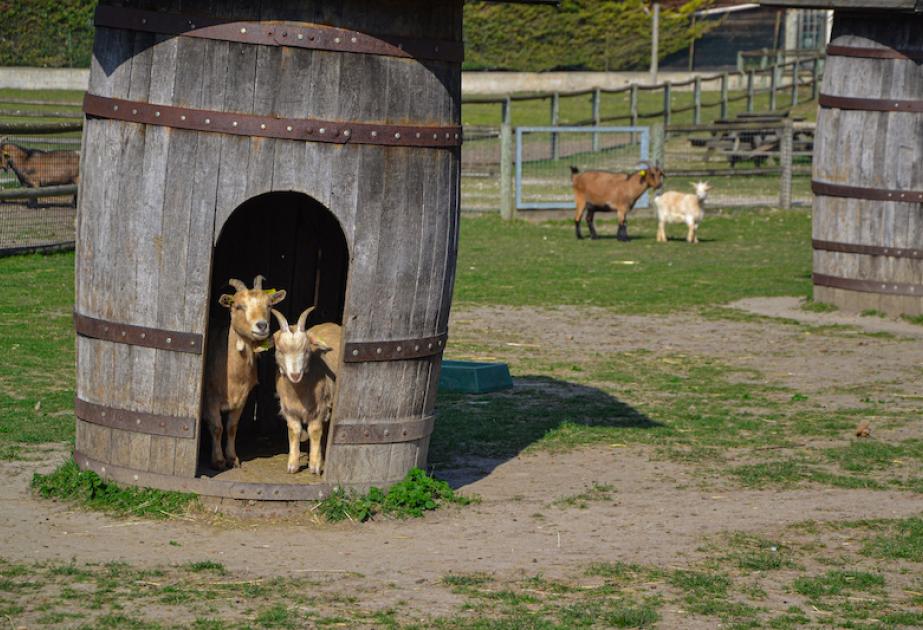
(303, 318)
(258, 283)
(283, 323)
(237, 284)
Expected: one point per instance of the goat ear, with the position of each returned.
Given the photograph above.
(227, 301)
(317, 345)
(278, 296)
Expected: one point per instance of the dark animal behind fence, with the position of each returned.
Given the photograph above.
(603, 191)
(35, 168)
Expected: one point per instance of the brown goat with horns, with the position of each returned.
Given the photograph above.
(602, 191)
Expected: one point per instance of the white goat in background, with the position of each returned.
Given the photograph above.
(677, 207)
(308, 363)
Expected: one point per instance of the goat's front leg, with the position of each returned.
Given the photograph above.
(623, 226)
(213, 417)
(231, 448)
(690, 234)
(294, 442)
(316, 433)
(661, 232)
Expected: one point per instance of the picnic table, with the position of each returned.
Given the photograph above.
(759, 140)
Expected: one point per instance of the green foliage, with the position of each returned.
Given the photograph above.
(46, 33)
(838, 582)
(70, 483)
(416, 494)
(576, 35)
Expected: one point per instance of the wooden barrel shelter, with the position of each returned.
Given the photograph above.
(316, 143)
(868, 159)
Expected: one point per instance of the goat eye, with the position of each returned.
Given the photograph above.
(239, 307)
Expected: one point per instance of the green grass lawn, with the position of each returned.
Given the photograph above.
(741, 254)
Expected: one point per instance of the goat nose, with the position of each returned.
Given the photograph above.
(262, 325)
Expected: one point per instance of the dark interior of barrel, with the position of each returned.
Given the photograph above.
(297, 245)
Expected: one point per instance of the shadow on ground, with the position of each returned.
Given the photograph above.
(475, 433)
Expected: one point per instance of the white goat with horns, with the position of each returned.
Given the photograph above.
(231, 372)
(308, 362)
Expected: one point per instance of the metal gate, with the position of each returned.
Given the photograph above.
(544, 156)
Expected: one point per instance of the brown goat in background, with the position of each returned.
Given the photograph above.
(35, 168)
(602, 191)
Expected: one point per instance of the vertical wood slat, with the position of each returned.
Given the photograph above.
(875, 150)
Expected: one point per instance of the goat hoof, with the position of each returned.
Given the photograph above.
(219, 464)
(293, 468)
(234, 462)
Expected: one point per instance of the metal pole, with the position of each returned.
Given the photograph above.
(597, 97)
(785, 159)
(795, 82)
(507, 209)
(555, 110)
(655, 41)
(633, 104)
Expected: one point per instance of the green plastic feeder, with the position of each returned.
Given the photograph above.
(470, 377)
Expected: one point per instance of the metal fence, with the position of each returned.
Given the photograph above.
(746, 164)
(488, 152)
(544, 156)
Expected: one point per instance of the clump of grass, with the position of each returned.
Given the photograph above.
(817, 307)
(837, 583)
(872, 312)
(206, 565)
(903, 542)
(596, 492)
(416, 494)
(466, 579)
(86, 488)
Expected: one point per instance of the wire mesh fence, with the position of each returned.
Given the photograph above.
(746, 164)
(37, 192)
(544, 156)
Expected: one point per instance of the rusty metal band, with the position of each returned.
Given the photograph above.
(279, 33)
(867, 250)
(871, 104)
(366, 351)
(304, 129)
(860, 52)
(137, 335)
(215, 487)
(871, 194)
(402, 430)
(868, 286)
(135, 421)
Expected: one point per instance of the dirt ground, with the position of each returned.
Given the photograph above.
(660, 510)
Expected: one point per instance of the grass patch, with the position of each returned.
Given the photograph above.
(838, 583)
(902, 541)
(416, 494)
(811, 306)
(594, 493)
(36, 334)
(88, 489)
(760, 253)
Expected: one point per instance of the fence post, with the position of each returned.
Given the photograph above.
(667, 88)
(633, 104)
(507, 209)
(749, 91)
(724, 95)
(697, 101)
(597, 97)
(785, 160)
(815, 71)
(555, 112)
(657, 142)
(772, 88)
(795, 81)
